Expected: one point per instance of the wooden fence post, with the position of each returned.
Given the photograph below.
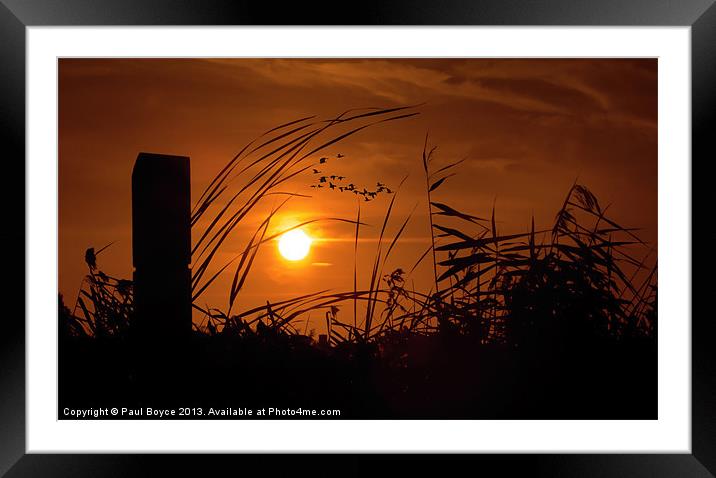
(161, 246)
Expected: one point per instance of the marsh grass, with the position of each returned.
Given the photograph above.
(574, 280)
(558, 322)
(104, 304)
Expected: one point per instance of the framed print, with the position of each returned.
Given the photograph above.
(420, 229)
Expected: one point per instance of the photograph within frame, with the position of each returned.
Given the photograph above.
(497, 441)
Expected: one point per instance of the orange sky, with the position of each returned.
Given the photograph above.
(528, 128)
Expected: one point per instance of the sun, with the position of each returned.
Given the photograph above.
(294, 245)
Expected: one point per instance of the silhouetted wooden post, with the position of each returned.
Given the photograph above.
(161, 246)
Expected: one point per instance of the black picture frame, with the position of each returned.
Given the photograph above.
(700, 15)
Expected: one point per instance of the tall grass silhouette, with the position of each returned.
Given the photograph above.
(557, 322)
(573, 280)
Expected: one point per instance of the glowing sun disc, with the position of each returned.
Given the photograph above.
(294, 245)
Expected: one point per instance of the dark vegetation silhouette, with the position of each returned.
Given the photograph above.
(554, 323)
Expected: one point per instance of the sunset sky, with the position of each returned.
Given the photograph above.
(527, 128)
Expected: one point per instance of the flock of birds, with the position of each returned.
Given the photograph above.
(334, 182)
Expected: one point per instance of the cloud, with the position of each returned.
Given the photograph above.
(402, 81)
